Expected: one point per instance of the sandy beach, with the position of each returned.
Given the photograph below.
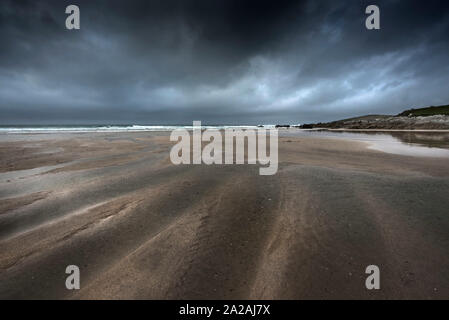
(140, 227)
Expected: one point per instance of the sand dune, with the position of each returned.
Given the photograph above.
(139, 227)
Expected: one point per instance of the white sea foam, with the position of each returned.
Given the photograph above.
(106, 128)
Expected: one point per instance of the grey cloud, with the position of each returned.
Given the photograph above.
(219, 61)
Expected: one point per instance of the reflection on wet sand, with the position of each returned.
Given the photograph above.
(419, 143)
(427, 139)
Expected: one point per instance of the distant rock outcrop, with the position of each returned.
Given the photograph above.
(431, 118)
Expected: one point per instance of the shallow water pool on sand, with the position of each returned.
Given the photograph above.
(417, 143)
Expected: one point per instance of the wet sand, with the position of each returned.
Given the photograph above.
(139, 227)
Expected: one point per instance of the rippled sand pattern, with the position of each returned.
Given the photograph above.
(139, 227)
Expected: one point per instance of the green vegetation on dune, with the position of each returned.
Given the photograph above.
(423, 112)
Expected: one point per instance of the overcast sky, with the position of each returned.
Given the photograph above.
(219, 61)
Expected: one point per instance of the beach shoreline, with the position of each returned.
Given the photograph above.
(140, 227)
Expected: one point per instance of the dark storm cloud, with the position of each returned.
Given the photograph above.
(219, 61)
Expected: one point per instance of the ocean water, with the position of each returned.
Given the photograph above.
(109, 128)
